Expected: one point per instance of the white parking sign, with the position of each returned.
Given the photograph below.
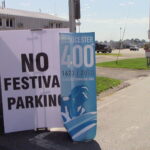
(29, 70)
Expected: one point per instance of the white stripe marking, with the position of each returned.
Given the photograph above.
(91, 118)
(84, 130)
(80, 116)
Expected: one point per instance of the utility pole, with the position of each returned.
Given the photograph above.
(72, 21)
(3, 4)
(74, 13)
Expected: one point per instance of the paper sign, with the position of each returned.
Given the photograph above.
(29, 70)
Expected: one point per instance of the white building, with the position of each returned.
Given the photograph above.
(20, 19)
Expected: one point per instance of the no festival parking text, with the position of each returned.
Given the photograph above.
(16, 84)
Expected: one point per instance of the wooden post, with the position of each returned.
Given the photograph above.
(1, 112)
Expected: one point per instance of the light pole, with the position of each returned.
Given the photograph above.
(120, 46)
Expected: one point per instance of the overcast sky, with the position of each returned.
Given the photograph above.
(104, 17)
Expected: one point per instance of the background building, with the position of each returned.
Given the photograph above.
(20, 19)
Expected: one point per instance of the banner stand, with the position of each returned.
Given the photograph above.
(1, 112)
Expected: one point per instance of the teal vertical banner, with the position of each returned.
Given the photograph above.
(78, 84)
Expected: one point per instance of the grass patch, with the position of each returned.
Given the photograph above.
(136, 63)
(104, 83)
(109, 54)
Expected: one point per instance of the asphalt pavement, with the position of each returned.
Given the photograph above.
(31, 140)
(125, 54)
(121, 74)
(124, 118)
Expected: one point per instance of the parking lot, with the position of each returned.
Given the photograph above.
(125, 54)
(122, 74)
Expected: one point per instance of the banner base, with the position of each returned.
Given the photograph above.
(43, 141)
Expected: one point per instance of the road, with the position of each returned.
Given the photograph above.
(122, 74)
(125, 54)
(124, 116)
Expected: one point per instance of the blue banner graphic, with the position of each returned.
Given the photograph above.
(78, 84)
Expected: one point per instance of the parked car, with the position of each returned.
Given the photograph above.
(103, 48)
(134, 48)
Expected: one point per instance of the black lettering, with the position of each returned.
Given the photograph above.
(59, 100)
(45, 100)
(7, 83)
(16, 83)
(20, 103)
(39, 65)
(27, 63)
(38, 102)
(29, 102)
(33, 78)
(11, 101)
(40, 82)
(55, 82)
(47, 81)
(52, 100)
(25, 84)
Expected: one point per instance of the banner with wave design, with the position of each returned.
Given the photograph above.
(78, 84)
